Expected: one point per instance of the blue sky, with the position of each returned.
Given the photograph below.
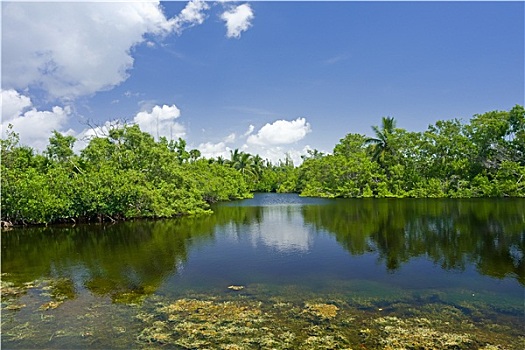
(264, 77)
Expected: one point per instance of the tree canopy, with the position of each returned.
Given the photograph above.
(127, 174)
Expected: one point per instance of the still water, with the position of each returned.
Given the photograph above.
(275, 271)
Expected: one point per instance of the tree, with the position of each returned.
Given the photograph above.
(221, 161)
(242, 162)
(234, 156)
(257, 166)
(349, 172)
(517, 133)
(381, 143)
(60, 147)
(179, 147)
(488, 131)
(194, 154)
(312, 153)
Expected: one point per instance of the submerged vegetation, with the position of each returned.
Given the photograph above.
(127, 174)
(238, 321)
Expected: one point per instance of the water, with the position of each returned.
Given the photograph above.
(314, 273)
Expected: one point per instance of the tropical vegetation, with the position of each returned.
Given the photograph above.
(128, 174)
(483, 158)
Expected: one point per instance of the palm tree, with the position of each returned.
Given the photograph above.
(234, 156)
(241, 161)
(220, 160)
(381, 143)
(257, 166)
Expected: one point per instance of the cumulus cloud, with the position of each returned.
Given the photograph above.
(160, 122)
(70, 49)
(13, 104)
(219, 149)
(296, 155)
(66, 50)
(87, 134)
(280, 132)
(33, 126)
(273, 140)
(277, 153)
(213, 150)
(193, 14)
(274, 150)
(237, 19)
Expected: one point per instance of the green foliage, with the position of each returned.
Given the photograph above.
(124, 175)
(127, 174)
(484, 158)
(60, 147)
(218, 182)
(381, 144)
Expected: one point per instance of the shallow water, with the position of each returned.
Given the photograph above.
(311, 273)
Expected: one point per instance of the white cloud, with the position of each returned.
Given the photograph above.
(268, 149)
(213, 150)
(13, 104)
(219, 149)
(230, 138)
(99, 130)
(270, 141)
(193, 14)
(280, 132)
(33, 126)
(249, 131)
(238, 19)
(277, 153)
(160, 122)
(337, 59)
(296, 155)
(70, 49)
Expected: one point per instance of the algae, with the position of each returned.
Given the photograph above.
(245, 323)
(323, 311)
(249, 321)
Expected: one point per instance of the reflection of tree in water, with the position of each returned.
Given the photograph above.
(137, 257)
(452, 233)
(125, 261)
(130, 260)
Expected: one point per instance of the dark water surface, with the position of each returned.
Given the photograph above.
(315, 273)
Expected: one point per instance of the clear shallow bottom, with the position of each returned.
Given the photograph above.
(314, 274)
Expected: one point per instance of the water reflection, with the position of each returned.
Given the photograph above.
(129, 261)
(126, 261)
(273, 220)
(489, 234)
(282, 229)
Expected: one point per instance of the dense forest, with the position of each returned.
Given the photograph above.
(128, 174)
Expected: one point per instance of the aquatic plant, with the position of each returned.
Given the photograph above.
(323, 311)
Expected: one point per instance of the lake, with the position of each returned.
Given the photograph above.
(276, 271)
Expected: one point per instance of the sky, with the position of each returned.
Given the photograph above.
(268, 78)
